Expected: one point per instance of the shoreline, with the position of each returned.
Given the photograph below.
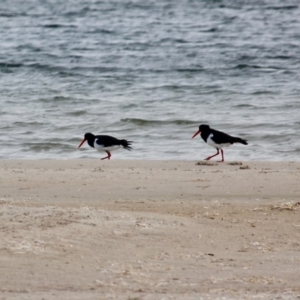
(134, 229)
(142, 179)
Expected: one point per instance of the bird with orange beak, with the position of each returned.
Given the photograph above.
(105, 143)
(217, 139)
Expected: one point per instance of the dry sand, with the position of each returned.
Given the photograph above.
(137, 230)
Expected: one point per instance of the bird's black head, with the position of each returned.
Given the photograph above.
(88, 137)
(202, 129)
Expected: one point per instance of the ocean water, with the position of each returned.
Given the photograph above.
(151, 72)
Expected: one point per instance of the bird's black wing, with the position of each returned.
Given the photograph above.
(220, 137)
(107, 140)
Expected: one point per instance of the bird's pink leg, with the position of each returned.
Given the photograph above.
(222, 156)
(208, 158)
(108, 156)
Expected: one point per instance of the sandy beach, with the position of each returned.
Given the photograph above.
(139, 230)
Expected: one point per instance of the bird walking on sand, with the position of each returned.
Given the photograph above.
(105, 143)
(217, 139)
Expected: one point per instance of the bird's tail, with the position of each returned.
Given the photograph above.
(126, 144)
(239, 140)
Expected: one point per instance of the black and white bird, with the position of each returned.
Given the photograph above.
(105, 143)
(217, 139)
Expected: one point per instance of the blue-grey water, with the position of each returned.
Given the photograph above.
(149, 71)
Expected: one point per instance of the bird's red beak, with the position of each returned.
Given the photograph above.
(82, 143)
(196, 133)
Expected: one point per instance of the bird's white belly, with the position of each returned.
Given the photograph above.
(210, 142)
(102, 148)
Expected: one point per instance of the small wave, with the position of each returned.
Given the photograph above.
(283, 57)
(30, 47)
(40, 147)
(137, 5)
(52, 26)
(32, 123)
(55, 99)
(45, 67)
(285, 7)
(143, 122)
(10, 65)
(277, 138)
(213, 29)
(11, 15)
(102, 31)
(246, 106)
(246, 66)
(76, 113)
(190, 70)
(263, 93)
(80, 12)
(172, 40)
